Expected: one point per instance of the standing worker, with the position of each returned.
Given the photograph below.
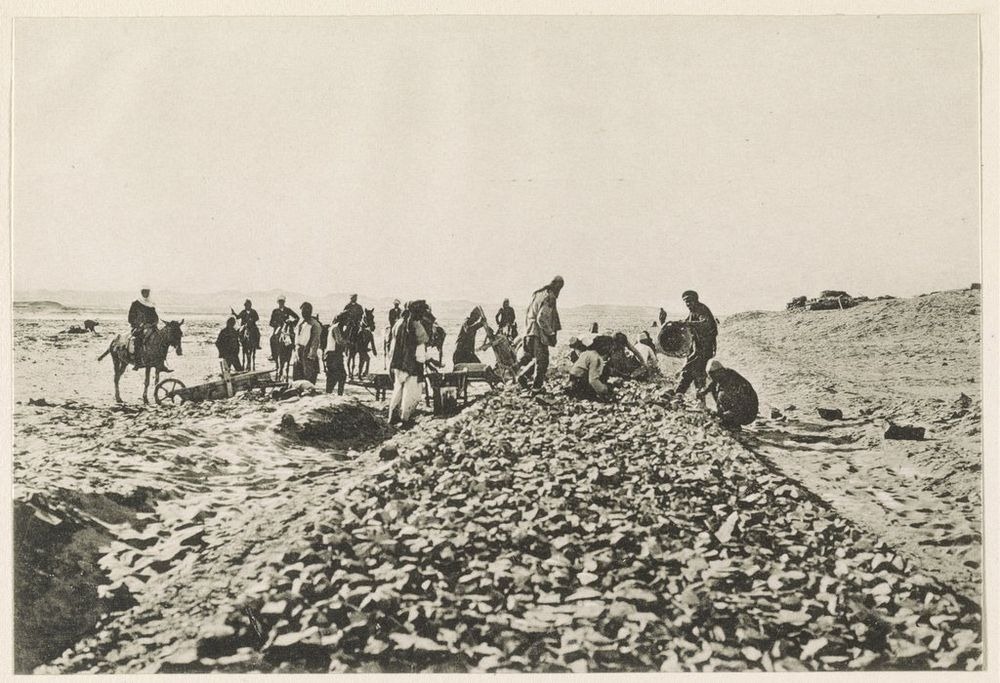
(228, 344)
(336, 372)
(307, 344)
(407, 357)
(394, 313)
(704, 331)
(541, 327)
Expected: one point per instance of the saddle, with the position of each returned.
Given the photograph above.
(134, 354)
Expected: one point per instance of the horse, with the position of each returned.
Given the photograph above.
(154, 352)
(285, 345)
(249, 341)
(358, 339)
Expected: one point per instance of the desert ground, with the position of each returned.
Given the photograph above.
(527, 533)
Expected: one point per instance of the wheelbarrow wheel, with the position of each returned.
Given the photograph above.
(169, 391)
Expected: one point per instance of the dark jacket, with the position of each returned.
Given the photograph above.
(248, 317)
(354, 312)
(465, 345)
(506, 316)
(406, 337)
(140, 314)
(280, 316)
(228, 343)
(702, 323)
(394, 314)
(734, 395)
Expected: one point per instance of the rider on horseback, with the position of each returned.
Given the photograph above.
(279, 318)
(248, 319)
(354, 315)
(142, 317)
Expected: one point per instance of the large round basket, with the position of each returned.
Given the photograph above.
(674, 340)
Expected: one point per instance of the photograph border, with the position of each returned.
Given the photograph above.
(13, 10)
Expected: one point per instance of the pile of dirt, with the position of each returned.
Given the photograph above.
(326, 421)
(540, 534)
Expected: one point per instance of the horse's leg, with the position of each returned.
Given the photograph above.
(119, 368)
(145, 388)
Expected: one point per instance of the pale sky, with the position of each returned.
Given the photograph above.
(752, 159)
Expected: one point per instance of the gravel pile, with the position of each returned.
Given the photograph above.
(539, 534)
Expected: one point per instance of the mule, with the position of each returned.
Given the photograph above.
(359, 338)
(249, 341)
(283, 348)
(153, 354)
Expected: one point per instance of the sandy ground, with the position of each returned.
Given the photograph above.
(182, 514)
(908, 361)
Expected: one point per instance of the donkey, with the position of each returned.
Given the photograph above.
(249, 340)
(153, 353)
(284, 346)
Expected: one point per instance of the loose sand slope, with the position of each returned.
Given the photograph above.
(912, 361)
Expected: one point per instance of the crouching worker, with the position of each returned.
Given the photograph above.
(735, 398)
(586, 377)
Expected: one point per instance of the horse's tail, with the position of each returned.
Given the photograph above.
(111, 347)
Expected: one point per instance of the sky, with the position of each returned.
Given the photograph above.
(753, 159)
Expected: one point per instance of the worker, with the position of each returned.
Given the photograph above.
(586, 377)
(228, 344)
(541, 327)
(735, 399)
(704, 330)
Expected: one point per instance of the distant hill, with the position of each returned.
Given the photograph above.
(177, 303)
(38, 306)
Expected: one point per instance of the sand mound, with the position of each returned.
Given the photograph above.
(901, 361)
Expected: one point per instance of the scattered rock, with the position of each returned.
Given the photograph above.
(776, 414)
(909, 432)
(830, 413)
(217, 640)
